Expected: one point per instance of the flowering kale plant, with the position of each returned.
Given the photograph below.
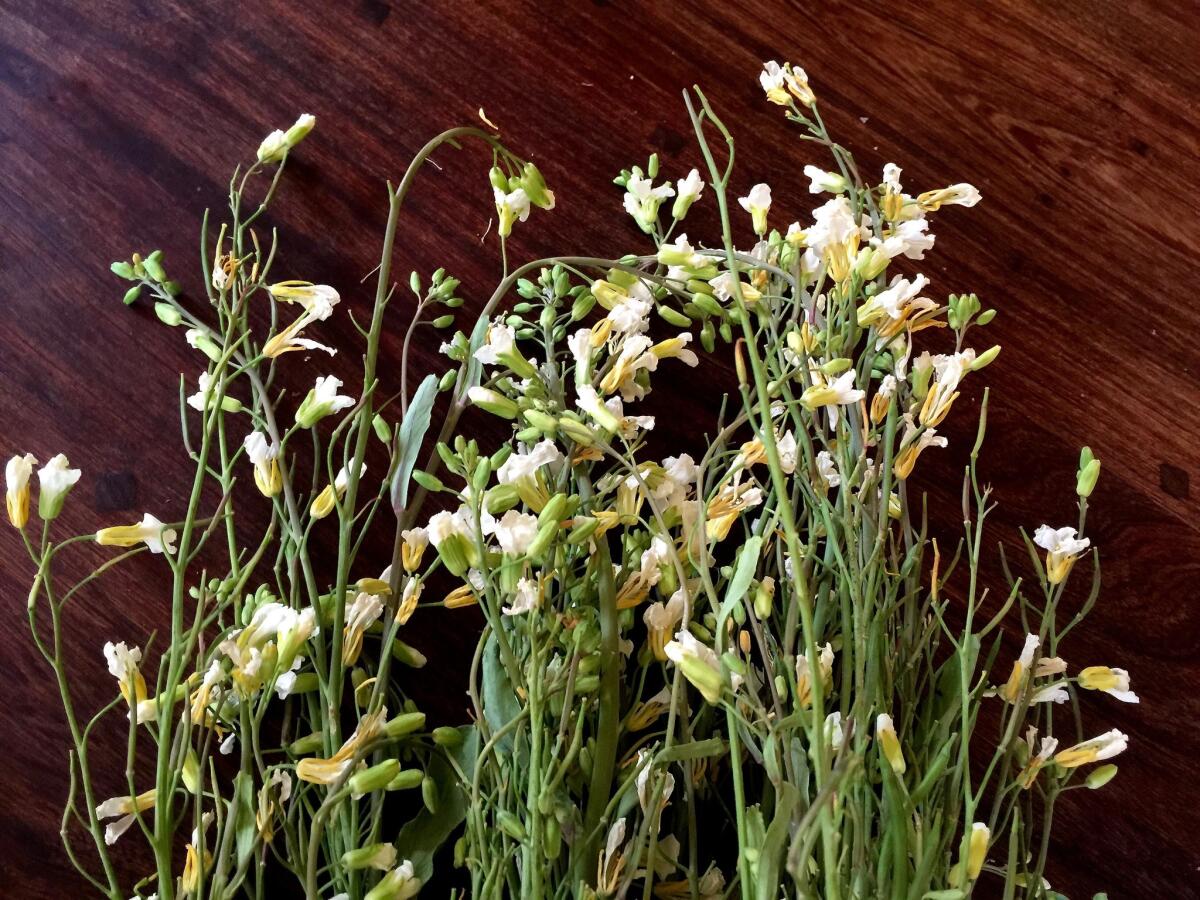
(748, 672)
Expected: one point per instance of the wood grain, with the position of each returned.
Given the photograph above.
(119, 123)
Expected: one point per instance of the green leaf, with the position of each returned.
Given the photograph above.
(773, 845)
(500, 704)
(427, 831)
(410, 438)
(247, 829)
(747, 565)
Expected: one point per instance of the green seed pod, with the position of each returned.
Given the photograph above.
(383, 430)
(511, 825)
(308, 744)
(406, 780)
(429, 794)
(376, 778)
(445, 736)
(404, 724)
(427, 481)
(552, 838)
(673, 316)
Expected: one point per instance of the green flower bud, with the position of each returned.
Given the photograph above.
(408, 656)
(372, 856)
(1099, 777)
(1085, 481)
(123, 270)
(167, 314)
(307, 745)
(404, 724)
(406, 780)
(673, 316)
(445, 736)
(132, 294)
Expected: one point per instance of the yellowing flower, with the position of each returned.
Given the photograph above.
(55, 480)
(415, 542)
(637, 585)
(328, 771)
(149, 531)
(525, 598)
(948, 371)
(318, 301)
(264, 456)
(1104, 746)
(885, 732)
(124, 810)
(1062, 548)
(360, 615)
(977, 847)
(804, 680)
(961, 194)
(326, 501)
(1029, 774)
(725, 508)
(912, 444)
(16, 476)
(839, 392)
(758, 204)
(661, 621)
(373, 856)
(1021, 669)
(646, 712)
(408, 600)
(779, 81)
(1111, 681)
(399, 884)
(725, 286)
(511, 206)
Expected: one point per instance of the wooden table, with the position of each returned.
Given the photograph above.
(120, 122)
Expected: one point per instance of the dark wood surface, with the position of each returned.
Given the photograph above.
(120, 122)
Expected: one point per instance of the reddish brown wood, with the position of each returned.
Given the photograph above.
(120, 122)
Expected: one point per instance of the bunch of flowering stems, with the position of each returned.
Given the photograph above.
(745, 672)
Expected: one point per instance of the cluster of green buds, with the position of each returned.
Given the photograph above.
(964, 311)
(148, 270)
(1088, 474)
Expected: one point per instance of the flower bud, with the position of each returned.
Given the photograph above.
(372, 856)
(406, 780)
(1089, 473)
(491, 401)
(1100, 776)
(404, 724)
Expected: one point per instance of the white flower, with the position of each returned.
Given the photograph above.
(827, 469)
(263, 455)
(525, 598)
(772, 79)
(725, 286)
(678, 476)
(642, 199)
(399, 884)
(149, 531)
(631, 314)
(698, 662)
(202, 399)
(500, 339)
(629, 425)
(1062, 547)
(443, 525)
(786, 446)
(512, 206)
(323, 400)
(891, 177)
(520, 467)
(645, 786)
(16, 476)
(961, 194)
(1051, 693)
(515, 531)
(821, 181)
(833, 225)
(123, 810)
(687, 192)
(898, 295)
(55, 479)
(910, 238)
(833, 730)
(318, 301)
(758, 204)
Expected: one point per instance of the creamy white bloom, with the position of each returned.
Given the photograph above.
(687, 192)
(758, 204)
(515, 531)
(1051, 693)
(833, 729)
(123, 662)
(699, 664)
(55, 480)
(444, 525)
(524, 599)
(323, 400)
(642, 199)
(839, 392)
(678, 476)
(891, 177)
(207, 390)
(631, 314)
(821, 181)
(893, 299)
(501, 339)
(645, 786)
(827, 469)
(1112, 681)
(511, 206)
(772, 77)
(521, 466)
(364, 610)
(833, 224)
(1060, 540)
(1104, 746)
(910, 238)
(786, 446)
